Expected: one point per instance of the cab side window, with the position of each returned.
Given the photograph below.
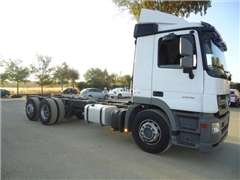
(169, 56)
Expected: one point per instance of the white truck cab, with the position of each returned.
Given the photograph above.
(179, 70)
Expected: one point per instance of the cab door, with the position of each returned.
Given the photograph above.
(169, 83)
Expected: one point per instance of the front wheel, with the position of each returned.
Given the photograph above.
(151, 132)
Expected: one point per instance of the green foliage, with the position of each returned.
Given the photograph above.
(42, 70)
(2, 63)
(73, 76)
(178, 8)
(81, 85)
(15, 72)
(125, 81)
(61, 75)
(95, 77)
(113, 78)
(3, 78)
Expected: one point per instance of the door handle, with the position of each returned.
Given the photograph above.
(158, 93)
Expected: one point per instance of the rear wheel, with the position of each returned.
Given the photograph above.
(60, 109)
(6, 96)
(119, 96)
(151, 132)
(48, 111)
(32, 109)
(106, 97)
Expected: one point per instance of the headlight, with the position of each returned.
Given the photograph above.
(227, 101)
(215, 128)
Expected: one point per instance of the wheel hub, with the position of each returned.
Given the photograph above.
(44, 112)
(150, 132)
(30, 109)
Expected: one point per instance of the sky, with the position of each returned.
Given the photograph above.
(93, 34)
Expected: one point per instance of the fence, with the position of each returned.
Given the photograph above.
(33, 90)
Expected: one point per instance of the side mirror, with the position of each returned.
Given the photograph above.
(186, 50)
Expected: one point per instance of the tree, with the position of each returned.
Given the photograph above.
(42, 70)
(3, 78)
(15, 72)
(81, 85)
(96, 77)
(178, 8)
(126, 80)
(61, 74)
(73, 76)
(2, 63)
(113, 79)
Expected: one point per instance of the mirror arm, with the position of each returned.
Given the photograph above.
(190, 72)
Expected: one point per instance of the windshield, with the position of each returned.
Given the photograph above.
(214, 55)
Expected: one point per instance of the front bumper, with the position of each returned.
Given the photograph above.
(210, 141)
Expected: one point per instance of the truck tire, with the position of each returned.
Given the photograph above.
(48, 111)
(151, 132)
(32, 108)
(60, 109)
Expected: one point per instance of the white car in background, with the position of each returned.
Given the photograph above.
(94, 93)
(120, 93)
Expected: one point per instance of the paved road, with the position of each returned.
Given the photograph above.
(77, 150)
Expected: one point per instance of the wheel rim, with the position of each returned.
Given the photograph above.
(44, 112)
(30, 109)
(149, 132)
